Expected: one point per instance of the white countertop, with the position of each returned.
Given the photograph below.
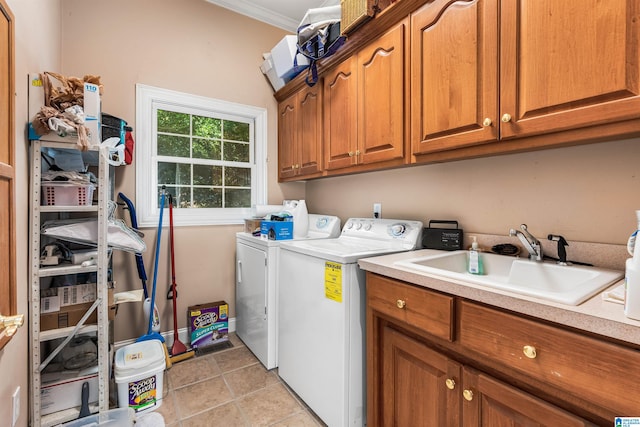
(595, 315)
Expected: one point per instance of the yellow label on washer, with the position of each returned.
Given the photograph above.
(333, 281)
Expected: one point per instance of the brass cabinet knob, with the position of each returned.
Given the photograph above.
(350, 153)
(357, 152)
(401, 303)
(451, 384)
(487, 122)
(506, 118)
(468, 395)
(529, 351)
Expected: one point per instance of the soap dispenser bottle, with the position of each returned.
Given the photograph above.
(475, 259)
(632, 276)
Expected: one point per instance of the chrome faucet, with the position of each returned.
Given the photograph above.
(531, 244)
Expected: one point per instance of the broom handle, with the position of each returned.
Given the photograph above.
(155, 266)
(174, 292)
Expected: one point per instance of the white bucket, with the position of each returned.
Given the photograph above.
(139, 375)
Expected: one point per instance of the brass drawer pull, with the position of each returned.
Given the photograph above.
(506, 118)
(451, 384)
(487, 122)
(401, 303)
(468, 395)
(529, 351)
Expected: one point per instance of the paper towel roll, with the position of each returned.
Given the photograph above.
(263, 210)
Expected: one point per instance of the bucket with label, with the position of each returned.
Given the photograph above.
(139, 373)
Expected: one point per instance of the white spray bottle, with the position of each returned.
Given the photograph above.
(155, 323)
(632, 276)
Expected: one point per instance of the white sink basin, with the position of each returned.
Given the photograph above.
(570, 285)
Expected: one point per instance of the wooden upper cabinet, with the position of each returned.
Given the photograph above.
(365, 100)
(287, 139)
(381, 97)
(300, 134)
(568, 64)
(454, 74)
(485, 70)
(340, 115)
(310, 136)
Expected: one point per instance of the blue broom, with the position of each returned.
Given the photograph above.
(151, 335)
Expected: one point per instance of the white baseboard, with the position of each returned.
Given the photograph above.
(183, 336)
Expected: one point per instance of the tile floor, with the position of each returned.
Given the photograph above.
(230, 388)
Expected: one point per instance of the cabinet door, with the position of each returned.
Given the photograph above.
(251, 300)
(490, 403)
(418, 386)
(568, 64)
(340, 111)
(310, 124)
(454, 75)
(287, 137)
(382, 93)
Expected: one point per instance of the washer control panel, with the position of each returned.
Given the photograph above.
(406, 231)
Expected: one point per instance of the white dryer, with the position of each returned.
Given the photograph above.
(257, 276)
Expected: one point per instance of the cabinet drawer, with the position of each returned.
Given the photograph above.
(598, 372)
(426, 310)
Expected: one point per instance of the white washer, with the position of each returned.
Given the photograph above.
(257, 287)
(321, 320)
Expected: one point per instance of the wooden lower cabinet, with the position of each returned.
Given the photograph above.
(418, 378)
(488, 402)
(414, 382)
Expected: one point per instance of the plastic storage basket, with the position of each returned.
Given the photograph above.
(65, 194)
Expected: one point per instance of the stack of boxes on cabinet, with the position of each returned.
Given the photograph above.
(71, 274)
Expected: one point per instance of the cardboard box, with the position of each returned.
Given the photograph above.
(208, 324)
(252, 226)
(91, 111)
(77, 294)
(276, 230)
(70, 315)
(63, 390)
(283, 55)
(268, 70)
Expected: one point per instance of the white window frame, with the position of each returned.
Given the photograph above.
(148, 100)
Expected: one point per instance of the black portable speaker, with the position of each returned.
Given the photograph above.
(446, 239)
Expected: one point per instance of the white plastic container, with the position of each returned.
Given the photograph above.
(632, 279)
(120, 417)
(139, 375)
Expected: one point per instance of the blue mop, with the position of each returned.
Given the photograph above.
(151, 335)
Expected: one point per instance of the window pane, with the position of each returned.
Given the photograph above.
(207, 149)
(172, 122)
(207, 127)
(207, 197)
(175, 146)
(237, 198)
(236, 130)
(181, 196)
(235, 152)
(237, 177)
(207, 175)
(174, 173)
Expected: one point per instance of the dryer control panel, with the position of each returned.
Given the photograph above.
(405, 232)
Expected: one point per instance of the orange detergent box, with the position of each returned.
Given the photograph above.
(208, 324)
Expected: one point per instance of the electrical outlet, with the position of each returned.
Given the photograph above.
(377, 210)
(15, 400)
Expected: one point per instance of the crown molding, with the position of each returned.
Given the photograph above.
(260, 13)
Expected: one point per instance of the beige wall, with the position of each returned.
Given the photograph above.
(189, 46)
(587, 193)
(37, 34)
